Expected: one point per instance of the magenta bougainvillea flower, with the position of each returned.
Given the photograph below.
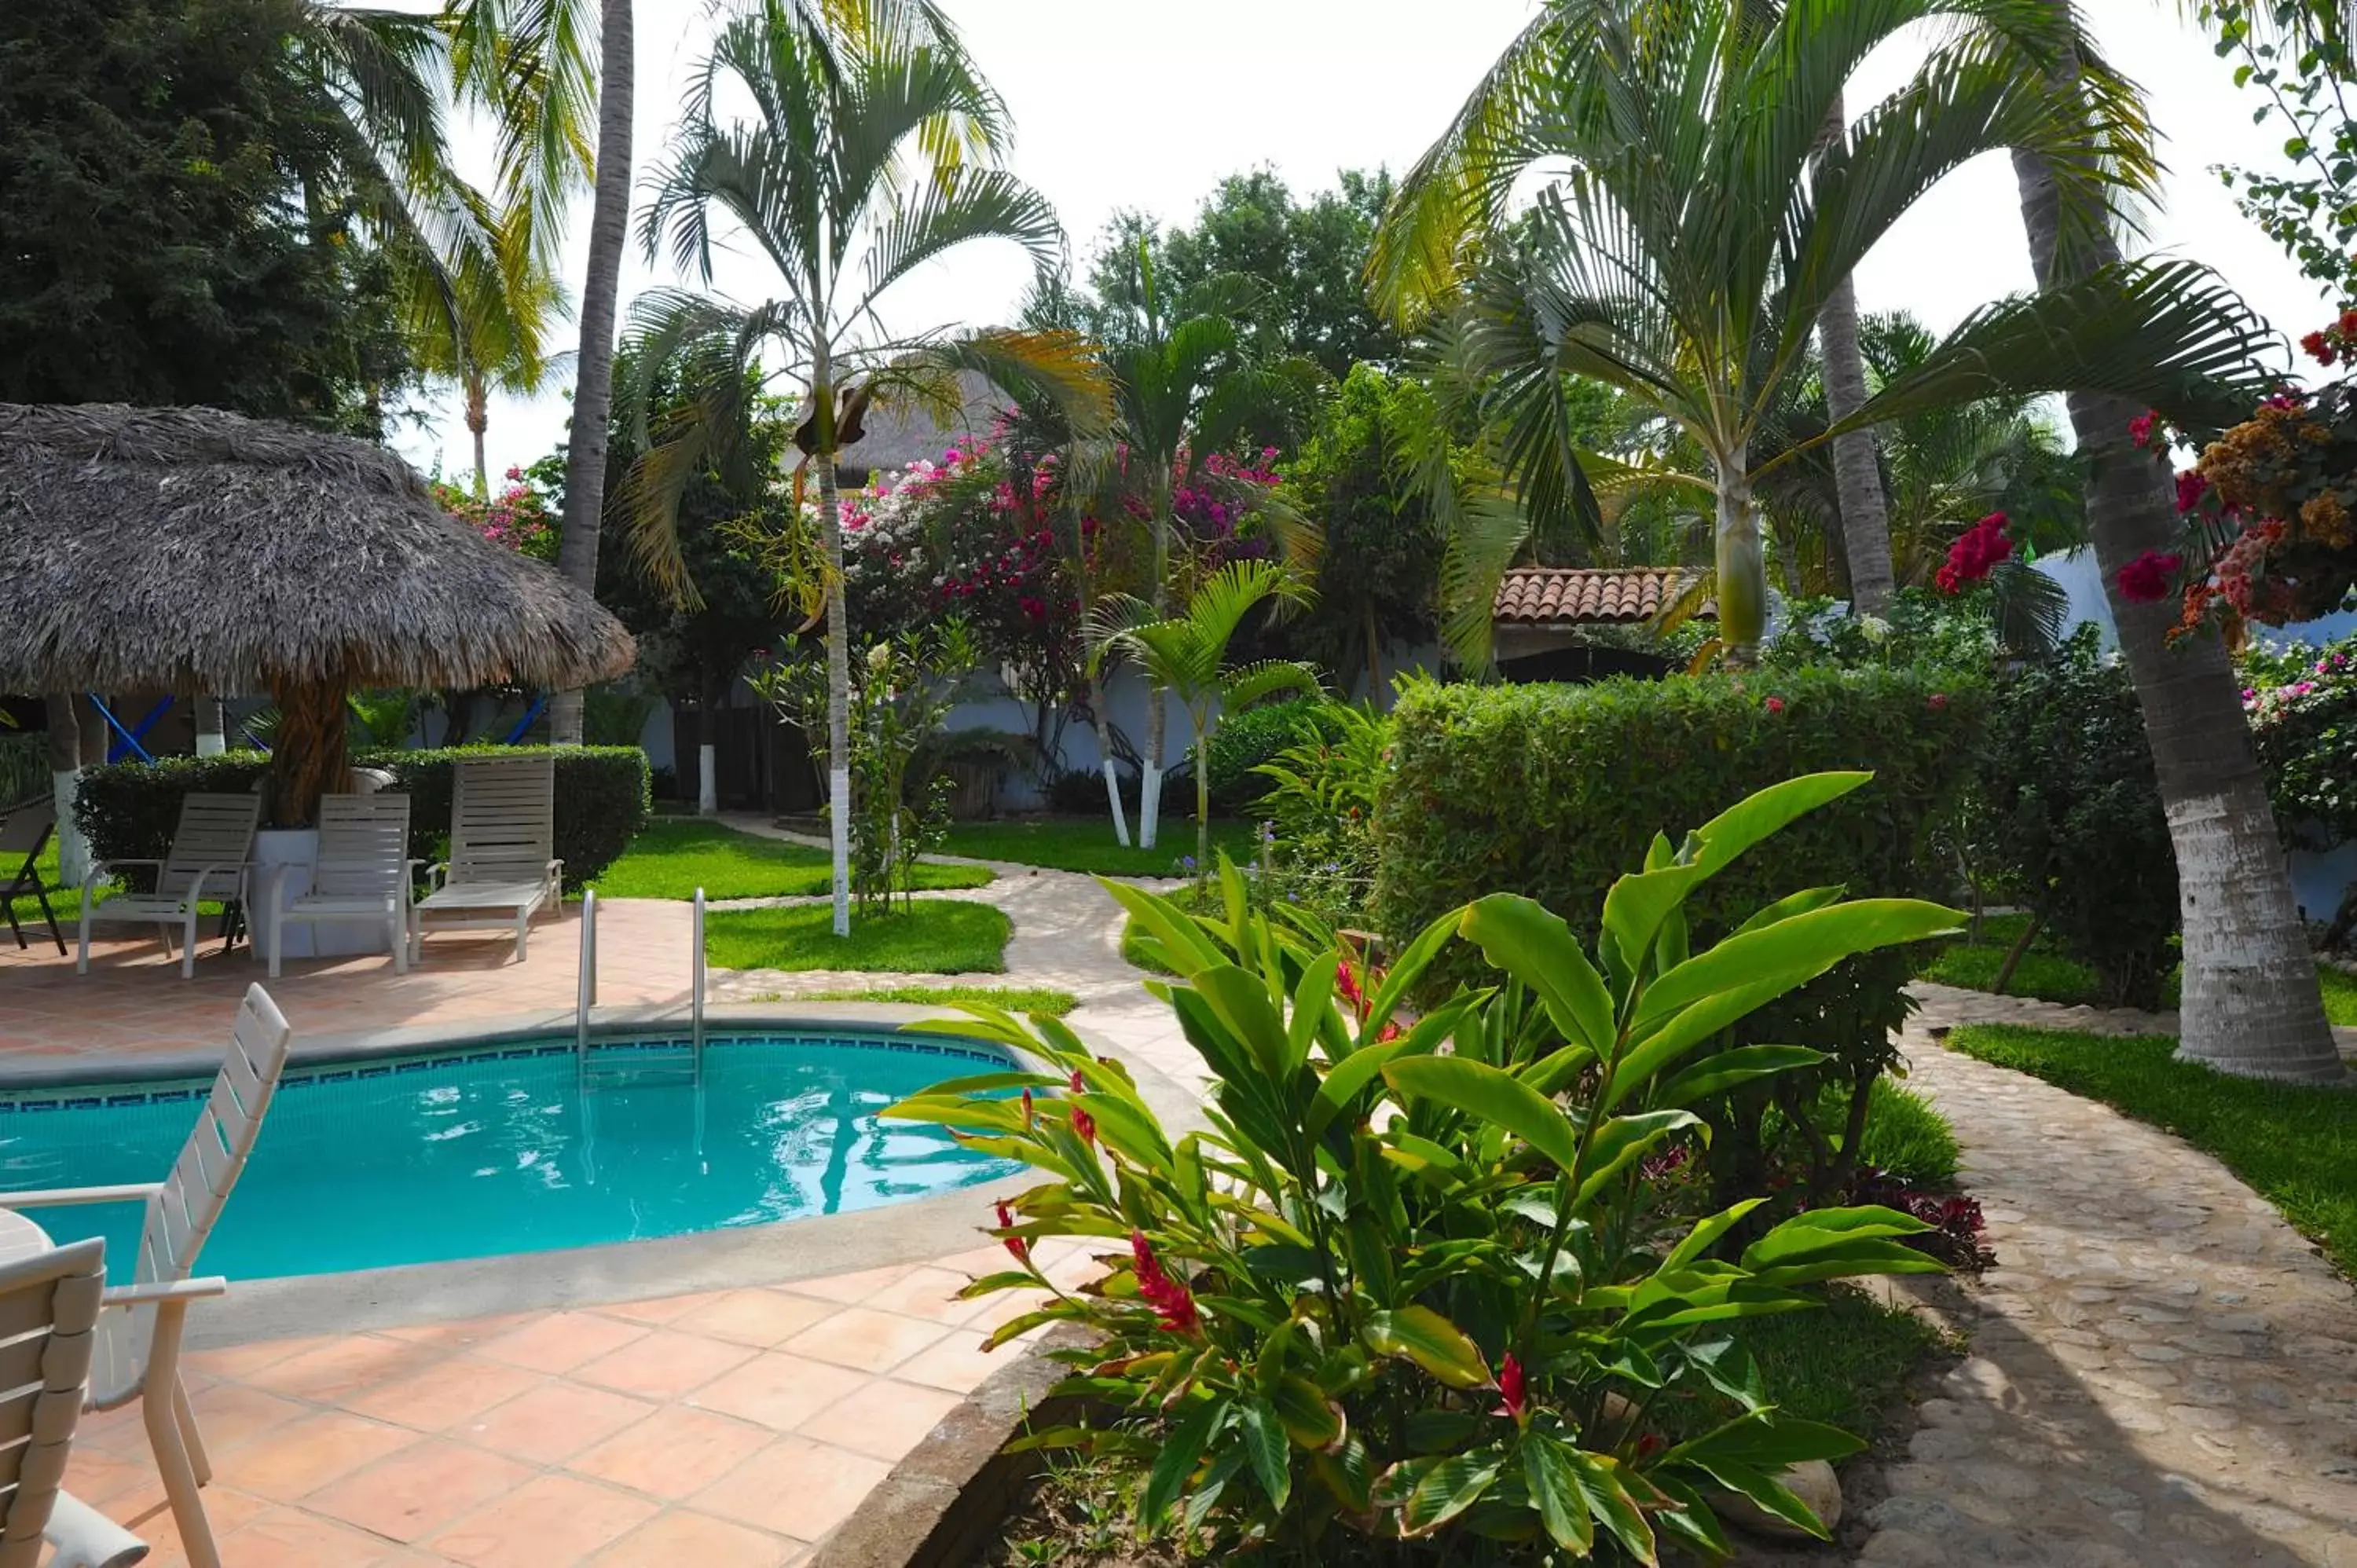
(2144, 580)
(1976, 554)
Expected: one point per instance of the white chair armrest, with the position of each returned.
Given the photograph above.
(436, 874)
(105, 870)
(157, 1291)
(87, 1539)
(57, 1196)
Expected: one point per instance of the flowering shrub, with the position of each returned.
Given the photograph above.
(2270, 510)
(517, 516)
(2303, 710)
(1427, 1298)
(1974, 553)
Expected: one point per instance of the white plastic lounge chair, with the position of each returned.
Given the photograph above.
(47, 1304)
(207, 860)
(137, 1354)
(361, 874)
(503, 837)
(24, 833)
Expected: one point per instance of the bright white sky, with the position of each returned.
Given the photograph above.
(1148, 103)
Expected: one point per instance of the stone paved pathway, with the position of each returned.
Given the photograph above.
(2161, 1371)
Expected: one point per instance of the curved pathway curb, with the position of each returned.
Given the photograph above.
(2162, 1371)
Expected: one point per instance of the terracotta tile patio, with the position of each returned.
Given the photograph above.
(644, 1433)
(724, 1429)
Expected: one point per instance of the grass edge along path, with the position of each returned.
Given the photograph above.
(1087, 845)
(2294, 1146)
(672, 856)
(1021, 1000)
(933, 935)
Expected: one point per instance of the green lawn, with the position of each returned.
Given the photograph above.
(670, 858)
(937, 936)
(2297, 1147)
(2052, 976)
(1086, 843)
(65, 901)
(1847, 1366)
(1024, 1000)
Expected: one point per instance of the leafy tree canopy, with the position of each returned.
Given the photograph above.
(180, 227)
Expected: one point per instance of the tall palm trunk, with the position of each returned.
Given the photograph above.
(593, 381)
(1741, 558)
(838, 638)
(478, 420)
(2251, 1002)
(1157, 702)
(1857, 474)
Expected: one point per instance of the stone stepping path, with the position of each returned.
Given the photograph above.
(2161, 1371)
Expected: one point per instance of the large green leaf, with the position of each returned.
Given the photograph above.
(1519, 936)
(1355, 1072)
(1432, 1342)
(1794, 950)
(1241, 1004)
(1183, 1450)
(1184, 946)
(1661, 1050)
(1636, 905)
(1769, 1442)
(1409, 966)
(1706, 1232)
(1554, 1492)
(1446, 1488)
(1266, 1449)
(1494, 1095)
(1605, 1484)
(1620, 1142)
(1311, 1419)
(1745, 824)
(1714, 1076)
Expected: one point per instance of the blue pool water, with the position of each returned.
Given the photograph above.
(471, 1155)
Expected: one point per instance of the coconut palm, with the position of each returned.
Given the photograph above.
(1686, 255)
(1186, 655)
(2250, 1005)
(859, 165)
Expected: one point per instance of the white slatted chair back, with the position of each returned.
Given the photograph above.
(49, 1303)
(364, 846)
(183, 1215)
(21, 832)
(503, 820)
(215, 831)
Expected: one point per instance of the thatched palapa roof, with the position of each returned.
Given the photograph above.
(191, 550)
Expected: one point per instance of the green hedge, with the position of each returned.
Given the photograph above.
(1553, 791)
(129, 809)
(1245, 740)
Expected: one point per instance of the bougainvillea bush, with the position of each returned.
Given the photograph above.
(518, 516)
(2270, 509)
(2302, 703)
(1420, 1283)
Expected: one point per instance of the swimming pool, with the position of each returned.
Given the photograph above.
(496, 1150)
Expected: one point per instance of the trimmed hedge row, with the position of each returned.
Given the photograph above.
(129, 809)
(1553, 791)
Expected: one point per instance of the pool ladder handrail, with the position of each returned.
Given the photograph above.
(586, 991)
(695, 990)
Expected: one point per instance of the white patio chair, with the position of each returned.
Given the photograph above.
(361, 874)
(502, 853)
(207, 860)
(137, 1354)
(48, 1305)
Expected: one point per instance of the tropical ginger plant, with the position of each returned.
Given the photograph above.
(1417, 1280)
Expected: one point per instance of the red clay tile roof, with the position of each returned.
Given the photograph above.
(1582, 596)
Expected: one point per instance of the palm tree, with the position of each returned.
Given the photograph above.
(1188, 384)
(1857, 478)
(486, 338)
(859, 167)
(1186, 655)
(2250, 1005)
(1687, 255)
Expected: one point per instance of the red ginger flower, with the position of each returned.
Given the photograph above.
(1775, 704)
(1084, 1124)
(1015, 1244)
(1028, 1113)
(2144, 580)
(1172, 1302)
(1514, 1395)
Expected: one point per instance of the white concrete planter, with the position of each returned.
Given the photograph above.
(291, 853)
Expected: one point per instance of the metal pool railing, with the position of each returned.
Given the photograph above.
(586, 995)
(695, 991)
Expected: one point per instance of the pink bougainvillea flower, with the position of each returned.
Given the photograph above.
(2191, 485)
(2318, 347)
(1514, 1395)
(1172, 1302)
(1775, 704)
(1015, 1244)
(1937, 702)
(2144, 580)
(2140, 429)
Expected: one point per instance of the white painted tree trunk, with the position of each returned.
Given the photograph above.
(1149, 798)
(708, 780)
(1104, 757)
(1113, 798)
(73, 849)
(838, 655)
(211, 741)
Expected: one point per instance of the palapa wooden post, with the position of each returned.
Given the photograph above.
(308, 757)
